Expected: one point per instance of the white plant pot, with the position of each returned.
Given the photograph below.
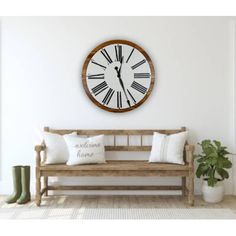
(213, 194)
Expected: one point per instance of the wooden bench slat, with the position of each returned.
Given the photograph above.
(115, 132)
(113, 173)
(114, 187)
(128, 148)
(118, 165)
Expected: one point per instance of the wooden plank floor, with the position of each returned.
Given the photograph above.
(83, 201)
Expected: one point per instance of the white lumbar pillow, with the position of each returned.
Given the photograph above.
(85, 150)
(56, 148)
(168, 148)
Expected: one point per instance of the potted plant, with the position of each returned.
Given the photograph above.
(213, 162)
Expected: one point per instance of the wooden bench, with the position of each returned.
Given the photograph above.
(118, 168)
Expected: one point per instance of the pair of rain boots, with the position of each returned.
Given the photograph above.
(21, 184)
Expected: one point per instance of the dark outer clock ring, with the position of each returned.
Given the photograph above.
(91, 54)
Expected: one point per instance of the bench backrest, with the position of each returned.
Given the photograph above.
(115, 133)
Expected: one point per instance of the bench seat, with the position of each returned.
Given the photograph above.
(117, 168)
(119, 165)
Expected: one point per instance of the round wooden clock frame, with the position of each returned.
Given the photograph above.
(84, 70)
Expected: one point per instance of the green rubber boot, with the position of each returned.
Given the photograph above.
(16, 175)
(25, 182)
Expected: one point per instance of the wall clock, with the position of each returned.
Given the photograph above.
(118, 76)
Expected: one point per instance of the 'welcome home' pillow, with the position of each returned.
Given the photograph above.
(85, 150)
(168, 148)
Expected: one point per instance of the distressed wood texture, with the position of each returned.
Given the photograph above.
(118, 167)
(107, 187)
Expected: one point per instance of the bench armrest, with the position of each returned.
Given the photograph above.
(189, 150)
(38, 149)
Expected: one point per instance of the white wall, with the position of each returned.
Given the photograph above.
(0, 100)
(234, 99)
(41, 85)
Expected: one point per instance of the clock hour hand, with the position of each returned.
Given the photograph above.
(122, 84)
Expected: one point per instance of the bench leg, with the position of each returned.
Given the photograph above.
(183, 186)
(38, 188)
(45, 180)
(191, 190)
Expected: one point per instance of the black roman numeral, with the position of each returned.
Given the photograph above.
(141, 75)
(140, 88)
(119, 99)
(108, 96)
(94, 62)
(130, 55)
(118, 49)
(99, 88)
(106, 55)
(138, 64)
(131, 96)
(96, 76)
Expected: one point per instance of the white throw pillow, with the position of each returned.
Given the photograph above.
(168, 148)
(85, 150)
(56, 148)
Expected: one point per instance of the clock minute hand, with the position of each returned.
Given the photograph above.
(122, 84)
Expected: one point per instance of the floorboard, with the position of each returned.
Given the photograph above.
(122, 201)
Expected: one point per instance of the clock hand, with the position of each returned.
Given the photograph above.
(122, 85)
(121, 62)
(117, 70)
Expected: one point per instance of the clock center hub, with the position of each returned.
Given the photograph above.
(114, 72)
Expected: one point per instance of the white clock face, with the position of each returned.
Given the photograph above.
(118, 76)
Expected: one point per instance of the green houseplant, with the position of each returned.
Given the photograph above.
(213, 165)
